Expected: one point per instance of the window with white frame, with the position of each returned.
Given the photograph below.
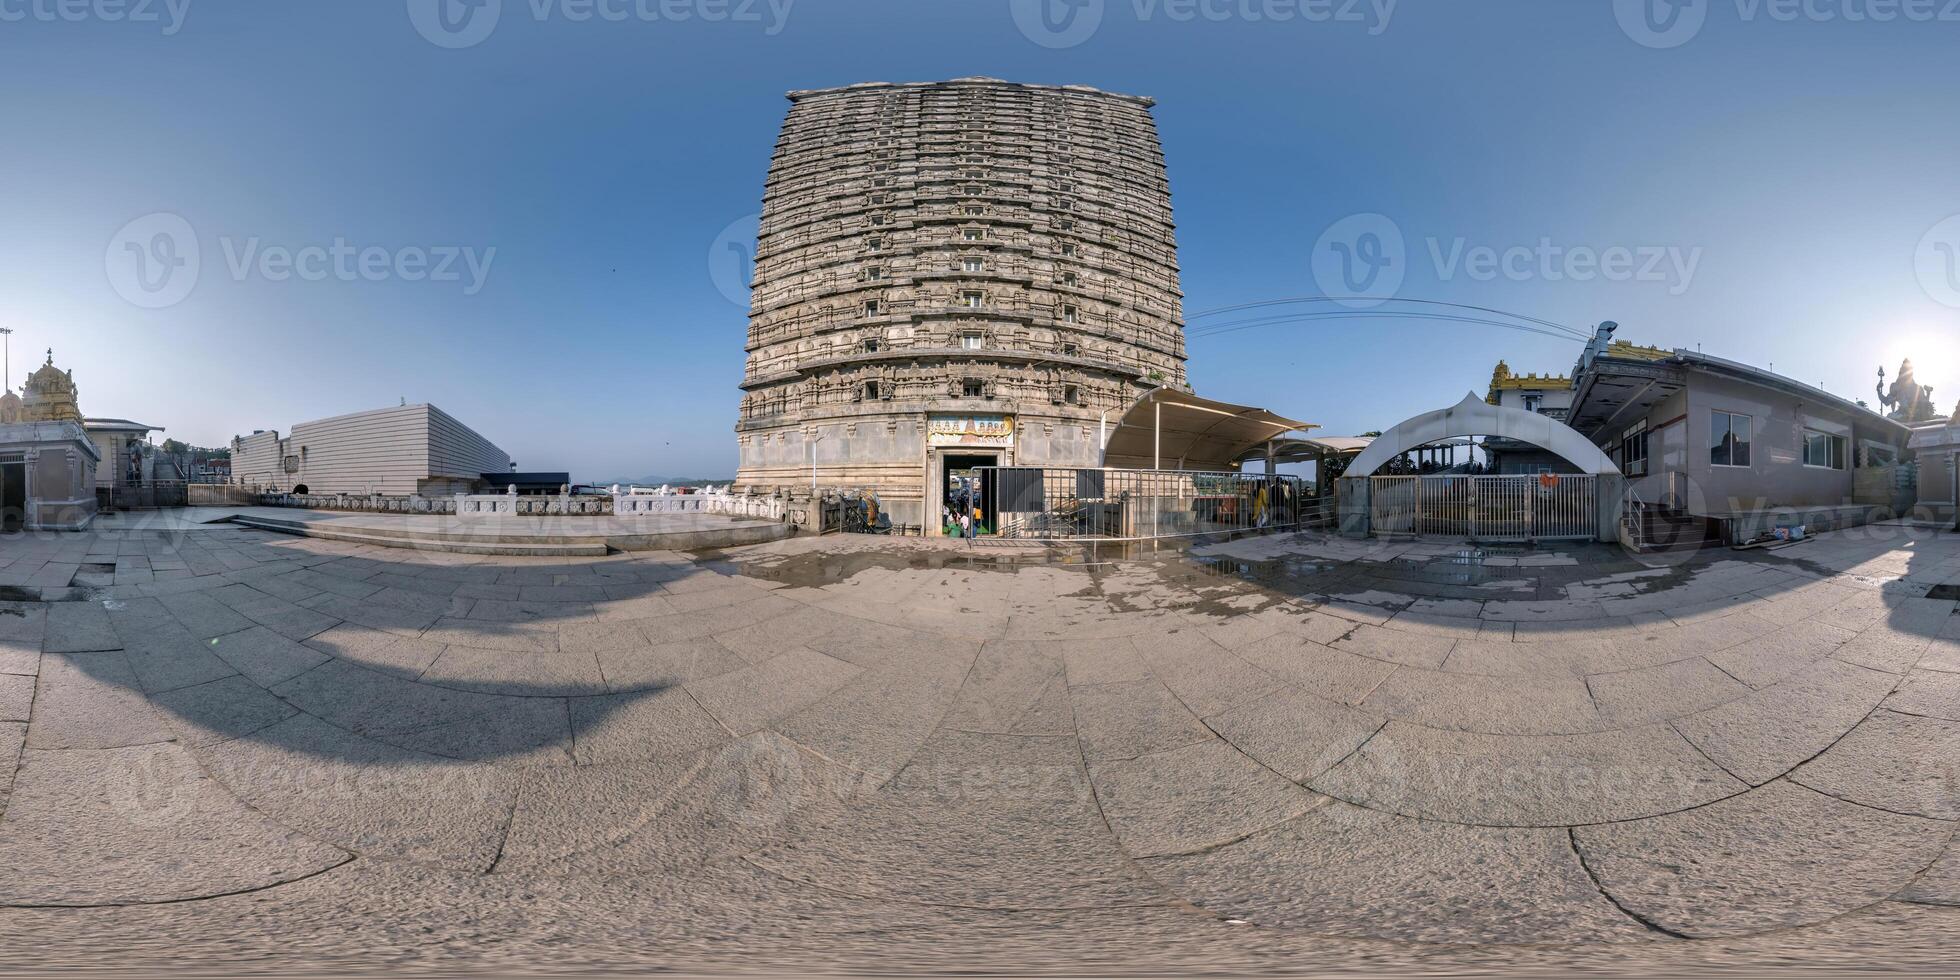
(1633, 451)
(974, 234)
(972, 388)
(1823, 450)
(970, 341)
(870, 307)
(972, 300)
(973, 265)
(1069, 314)
(1730, 439)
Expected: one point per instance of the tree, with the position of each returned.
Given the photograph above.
(174, 447)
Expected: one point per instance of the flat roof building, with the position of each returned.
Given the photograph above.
(398, 451)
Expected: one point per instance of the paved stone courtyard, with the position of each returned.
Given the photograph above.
(1280, 754)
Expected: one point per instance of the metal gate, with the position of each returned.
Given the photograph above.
(1486, 508)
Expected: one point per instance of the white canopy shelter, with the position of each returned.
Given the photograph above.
(1170, 429)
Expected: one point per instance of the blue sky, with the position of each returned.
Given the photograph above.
(1803, 168)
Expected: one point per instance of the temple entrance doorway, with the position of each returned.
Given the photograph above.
(967, 470)
(13, 496)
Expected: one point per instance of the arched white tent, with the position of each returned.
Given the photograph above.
(1475, 417)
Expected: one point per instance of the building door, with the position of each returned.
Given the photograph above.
(964, 469)
(13, 496)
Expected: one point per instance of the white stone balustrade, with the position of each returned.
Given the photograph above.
(486, 505)
(732, 505)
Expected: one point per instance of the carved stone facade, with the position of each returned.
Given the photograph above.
(49, 395)
(972, 269)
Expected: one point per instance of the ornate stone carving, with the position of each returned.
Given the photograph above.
(49, 395)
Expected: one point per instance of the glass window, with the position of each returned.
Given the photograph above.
(970, 341)
(972, 300)
(1729, 439)
(1823, 449)
(1068, 314)
(870, 307)
(971, 389)
(975, 265)
(1633, 451)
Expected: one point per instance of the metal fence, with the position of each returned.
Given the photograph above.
(1120, 504)
(142, 495)
(1486, 508)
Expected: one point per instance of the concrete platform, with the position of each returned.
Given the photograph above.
(511, 537)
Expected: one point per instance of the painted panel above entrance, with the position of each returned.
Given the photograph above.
(970, 430)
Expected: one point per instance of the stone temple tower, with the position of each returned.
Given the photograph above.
(955, 274)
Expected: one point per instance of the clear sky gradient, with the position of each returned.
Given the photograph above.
(1800, 164)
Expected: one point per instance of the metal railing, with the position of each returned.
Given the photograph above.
(141, 495)
(1486, 508)
(1129, 505)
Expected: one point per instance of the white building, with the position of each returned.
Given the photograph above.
(398, 451)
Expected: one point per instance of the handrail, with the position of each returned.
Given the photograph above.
(1631, 523)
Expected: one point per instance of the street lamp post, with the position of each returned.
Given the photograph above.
(7, 359)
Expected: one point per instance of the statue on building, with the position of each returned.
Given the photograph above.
(1906, 400)
(49, 395)
(10, 407)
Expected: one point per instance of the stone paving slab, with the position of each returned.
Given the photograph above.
(1278, 740)
(1344, 871)
(1772, 858)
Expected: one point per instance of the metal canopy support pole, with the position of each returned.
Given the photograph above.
(1157, 443)
(1271, 467)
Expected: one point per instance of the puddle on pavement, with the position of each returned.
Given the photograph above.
(815, 569)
